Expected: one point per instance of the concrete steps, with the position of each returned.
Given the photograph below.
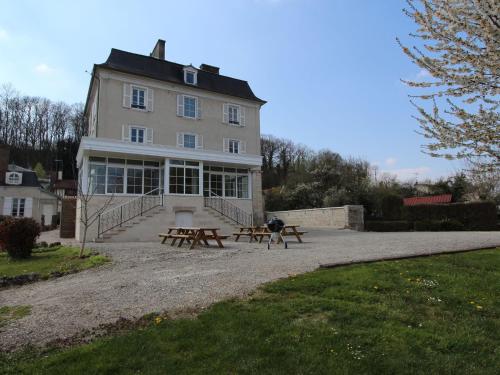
(146, 228)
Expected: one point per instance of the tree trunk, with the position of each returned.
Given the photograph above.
(84, 239)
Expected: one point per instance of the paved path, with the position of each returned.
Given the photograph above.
(149, 277)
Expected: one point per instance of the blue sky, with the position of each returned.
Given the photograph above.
(330, 70)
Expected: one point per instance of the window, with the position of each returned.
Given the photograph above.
(190, 76)
(234, 146)
(97, 175)
(134, 180)
(107, 175)
(242, 187)
(18, 205)
(190, 140)
(213, 184)
(115, 180)
(226, 182)
(189, 106)
(184, 177)
(233, 114)
(138, 97)
(151, 180)
(137, 135)
(230, 185)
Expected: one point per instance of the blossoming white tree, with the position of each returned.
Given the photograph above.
(459, 106)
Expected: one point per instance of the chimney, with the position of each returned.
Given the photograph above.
(159, 50)
(210, 68)
(4, 162)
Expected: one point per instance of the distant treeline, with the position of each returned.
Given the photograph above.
(296, 177)
(293, 176)
(39, 130)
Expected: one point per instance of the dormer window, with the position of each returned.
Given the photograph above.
(190, 76)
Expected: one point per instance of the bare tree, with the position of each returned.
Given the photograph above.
(89, 216)
(461, 52)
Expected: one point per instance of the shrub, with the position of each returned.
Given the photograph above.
(390, 206)
(388, 226)
(18, 236)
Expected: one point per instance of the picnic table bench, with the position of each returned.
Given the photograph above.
(245, 231)
(193, 236)
(258, 233)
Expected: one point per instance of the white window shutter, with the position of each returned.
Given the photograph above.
(226, 145)
(150, 99)
(242, 147)
(199, 141)
(125, 133)
(180, 139)
(7, 206)
(198, 108)
(225, 114)
(242, 116)
(149, 136)
(28, 207)
(126, 95)
(180, 105)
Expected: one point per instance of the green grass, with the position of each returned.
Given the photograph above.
(47, 260)
(432, 315)
(9, 313)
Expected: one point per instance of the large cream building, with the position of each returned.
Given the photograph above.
(183, 139)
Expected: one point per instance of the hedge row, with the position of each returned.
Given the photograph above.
(388, 226)
(418, 226)
(441, 217)
(472, 216)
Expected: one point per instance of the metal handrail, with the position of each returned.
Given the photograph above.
(228, 209)
(118, 215)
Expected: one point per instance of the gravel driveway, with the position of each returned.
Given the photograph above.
(149, 277)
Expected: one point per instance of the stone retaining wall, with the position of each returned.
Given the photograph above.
(345, 217)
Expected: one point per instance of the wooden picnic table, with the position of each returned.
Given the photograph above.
(193, 236)
(263, 231)
(245, 231)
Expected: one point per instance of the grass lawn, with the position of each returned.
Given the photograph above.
(46, 260)
(8, 313)
(432, 315)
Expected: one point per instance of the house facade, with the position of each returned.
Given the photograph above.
(21, 194)
(158, 128)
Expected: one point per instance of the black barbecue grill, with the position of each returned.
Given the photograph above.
(275, 226)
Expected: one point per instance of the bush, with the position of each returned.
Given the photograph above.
(388, 226)
(472, 215)
(18, 236)
(390, 206)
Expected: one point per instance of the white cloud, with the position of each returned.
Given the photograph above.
(4, 35)
(43, 69)
(391, 161)
(405, 174)
(424, 73)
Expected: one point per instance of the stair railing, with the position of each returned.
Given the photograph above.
(229, 210)
(138, 206)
